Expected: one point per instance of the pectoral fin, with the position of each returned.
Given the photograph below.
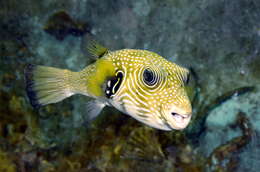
(94, 108)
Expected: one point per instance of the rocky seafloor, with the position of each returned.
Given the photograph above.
(218, 40)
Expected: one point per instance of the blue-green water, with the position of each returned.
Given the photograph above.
(218, 39)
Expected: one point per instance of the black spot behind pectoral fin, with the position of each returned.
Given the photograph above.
(113, 84)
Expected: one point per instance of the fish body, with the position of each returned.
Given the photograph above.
(139, 83)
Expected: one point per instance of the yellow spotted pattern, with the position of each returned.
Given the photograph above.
(147, 100)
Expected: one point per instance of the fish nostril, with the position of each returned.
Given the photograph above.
(174, 114)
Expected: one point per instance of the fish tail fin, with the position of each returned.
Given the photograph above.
(45, 85)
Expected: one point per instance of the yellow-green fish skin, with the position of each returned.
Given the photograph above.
(139, 83)
(151, 105)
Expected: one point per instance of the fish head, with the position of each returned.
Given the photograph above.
(153, 92)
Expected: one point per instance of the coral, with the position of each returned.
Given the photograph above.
(143, 144)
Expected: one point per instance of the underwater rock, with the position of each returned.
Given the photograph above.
(223, 153)
(12, 44)
(141, 8)
(198, 124)
(60, 24)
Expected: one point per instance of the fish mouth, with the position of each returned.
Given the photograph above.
(180, 120)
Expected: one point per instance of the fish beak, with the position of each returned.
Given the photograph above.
(181, 120)
(178, 119)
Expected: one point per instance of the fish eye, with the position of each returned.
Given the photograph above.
(149, 77)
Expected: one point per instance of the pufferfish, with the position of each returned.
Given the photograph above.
(139, 83)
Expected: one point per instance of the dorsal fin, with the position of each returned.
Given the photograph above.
(183, 74)
(96, 50)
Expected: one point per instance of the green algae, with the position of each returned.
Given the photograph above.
(6, 164)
